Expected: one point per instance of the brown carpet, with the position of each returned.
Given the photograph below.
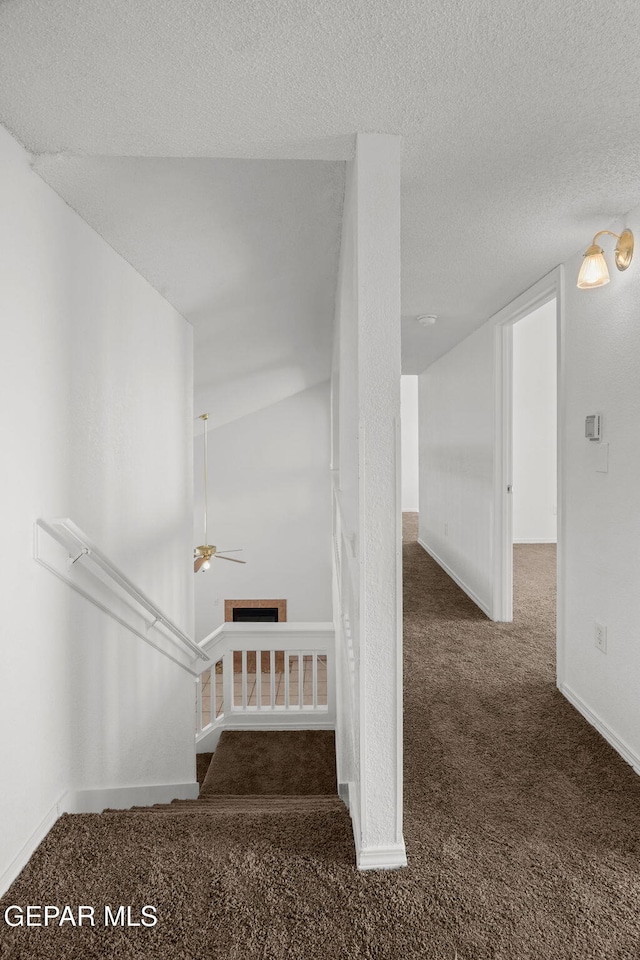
(522, 826)
(274, 761)
(203, 761)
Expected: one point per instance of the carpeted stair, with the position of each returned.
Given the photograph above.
(300, 762)
(242, 805)
(289, 772)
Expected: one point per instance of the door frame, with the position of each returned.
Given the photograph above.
(549, 287)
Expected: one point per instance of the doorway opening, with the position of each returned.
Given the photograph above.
(545, 297)
(409, 444)
(534, 444)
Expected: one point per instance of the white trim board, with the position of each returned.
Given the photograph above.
(22, 858)
(352, 801)
(382, 858)
(370, 858)
(625, 751)
(550, 287)
(122, 798)
(207, 741)
(456, 579)
(399, 638)
(94, 801)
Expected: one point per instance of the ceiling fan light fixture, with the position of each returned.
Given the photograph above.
(205, 552)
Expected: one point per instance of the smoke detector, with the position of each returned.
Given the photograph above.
(427, 319)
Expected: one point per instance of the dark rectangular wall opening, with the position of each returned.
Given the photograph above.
(257, 609)
(255, 615)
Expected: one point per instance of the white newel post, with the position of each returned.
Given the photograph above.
(379, 368)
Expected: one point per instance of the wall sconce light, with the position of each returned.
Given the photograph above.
(594, 272)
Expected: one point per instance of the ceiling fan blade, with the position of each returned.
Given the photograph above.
(232, 559)
(231, 551)
(198, 564)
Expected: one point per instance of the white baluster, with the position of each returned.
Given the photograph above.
(300, 681)
(314, 680)
(272, 677)
(244, 679)
(287, 693)
(214, 697)
(258, 679)
(227, 682)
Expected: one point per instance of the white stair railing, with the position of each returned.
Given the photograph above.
(268, 676)
(110, 590)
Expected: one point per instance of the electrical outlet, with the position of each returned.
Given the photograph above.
(600, 637)
(446, 529)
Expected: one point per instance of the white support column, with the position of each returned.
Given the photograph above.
(377, 184)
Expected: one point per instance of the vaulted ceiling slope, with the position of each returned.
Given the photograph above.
(520, 121)
(246, 250)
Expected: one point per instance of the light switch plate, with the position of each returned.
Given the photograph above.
(593, 426)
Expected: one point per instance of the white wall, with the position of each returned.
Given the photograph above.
(456, 463)
(95, 400)
(535, 405)
(599, 514)
(366, 402)
(601, 510)
(269, 493)
(345, 457)
(410, 450)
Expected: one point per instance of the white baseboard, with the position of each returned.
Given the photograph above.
(21, 859)
(370, 858)
(456, 579)
(382, 858)
(121, 798)
(94, 801)
(353, 806)
(534, 540)
(207, 741)
(625, 751)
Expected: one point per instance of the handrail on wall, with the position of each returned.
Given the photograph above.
(70, 536)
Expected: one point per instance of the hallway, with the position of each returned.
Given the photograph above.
(516, 841)
(510, 855)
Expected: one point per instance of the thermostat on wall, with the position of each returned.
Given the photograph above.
(592, 426)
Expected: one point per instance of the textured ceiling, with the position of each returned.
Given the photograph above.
(520, 122)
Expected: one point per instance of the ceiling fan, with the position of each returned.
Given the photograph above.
(206, 551)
